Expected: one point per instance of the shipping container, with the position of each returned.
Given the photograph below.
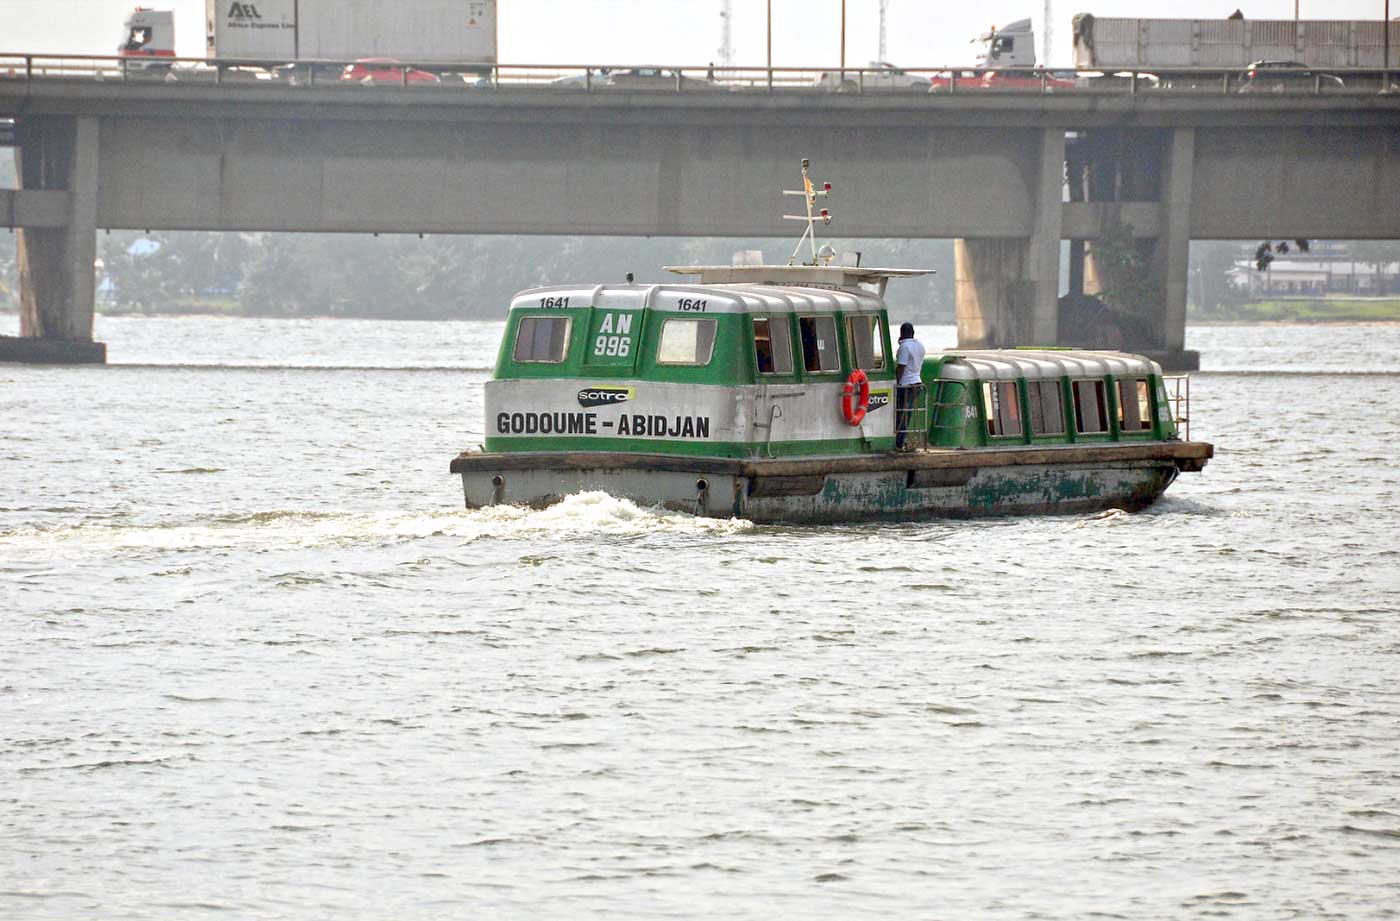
(417, 31)
(1102, 43)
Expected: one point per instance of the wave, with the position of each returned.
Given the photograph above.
(222, 366)
(580, 514)
(1297, 372)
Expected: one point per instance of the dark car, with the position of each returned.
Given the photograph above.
(1286, 77)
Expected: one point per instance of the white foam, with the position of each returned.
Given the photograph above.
(581, 514)
(596, 511)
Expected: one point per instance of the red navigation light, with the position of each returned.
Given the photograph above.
(826, 213)
(826, 187)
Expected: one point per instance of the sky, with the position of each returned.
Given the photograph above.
(806, 33)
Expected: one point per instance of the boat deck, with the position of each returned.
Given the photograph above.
(1188, 456)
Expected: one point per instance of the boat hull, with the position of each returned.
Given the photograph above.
(898, 487)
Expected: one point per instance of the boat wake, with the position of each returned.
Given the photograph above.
(595, 512)
(580, 514)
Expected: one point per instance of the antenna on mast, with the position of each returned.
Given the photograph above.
(884, 5)
(1048, 29)
(726, 44)
(810, 196)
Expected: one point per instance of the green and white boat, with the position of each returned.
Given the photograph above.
(768, 392)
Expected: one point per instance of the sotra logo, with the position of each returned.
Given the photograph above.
(605, 396)
(244, 11)
(878, 398)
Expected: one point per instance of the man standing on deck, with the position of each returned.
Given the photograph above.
(908, 365)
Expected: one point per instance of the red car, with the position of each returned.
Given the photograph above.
(974, 80)
(370, 71)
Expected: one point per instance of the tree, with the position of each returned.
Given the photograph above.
(1211, 287)
(1127, 284)
(1381, 256)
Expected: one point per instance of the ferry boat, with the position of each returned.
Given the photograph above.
(768, 392)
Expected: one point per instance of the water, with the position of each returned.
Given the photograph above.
(256, 662)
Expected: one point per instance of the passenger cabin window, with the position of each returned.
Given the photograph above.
(686, 342)
(772, 343)
(1134, 406)
(1090, 409)
(1047, 408)
(1003, 409)
(542, 339)
(867, 345)
(819, 354)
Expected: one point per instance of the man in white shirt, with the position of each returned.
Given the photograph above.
(908, 366)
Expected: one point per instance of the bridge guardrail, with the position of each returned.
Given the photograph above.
(587, 78)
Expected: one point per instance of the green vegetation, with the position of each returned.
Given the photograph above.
(1309, 310)
(427, 278)
(1122, 261)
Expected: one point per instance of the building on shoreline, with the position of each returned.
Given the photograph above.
(1329, 268)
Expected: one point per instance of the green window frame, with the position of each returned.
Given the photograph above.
(1090, 407)
(821, 353)
(686, 341)
(772, 344)
(542, 339)
(864, 334)
(1001, 404)
(1134, 405)
(1046, 407)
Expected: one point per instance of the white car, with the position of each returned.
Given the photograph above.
(877, 76)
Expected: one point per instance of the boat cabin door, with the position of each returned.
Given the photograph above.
(775, 385)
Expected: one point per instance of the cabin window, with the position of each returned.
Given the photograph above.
(867, 345)
(1047, 408)
(1090, 409)
(686, 342)
(1003, 408)
(772, 343)
(1134, 406)
(542, 339)
(819, 353)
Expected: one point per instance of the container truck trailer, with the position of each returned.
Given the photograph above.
(1103, 43)
(450, 35)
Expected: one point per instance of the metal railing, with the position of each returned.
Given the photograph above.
(951, 394)
(932, 82)
(1179, 401)
(912, 422)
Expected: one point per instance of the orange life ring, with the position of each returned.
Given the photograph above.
(851, 407)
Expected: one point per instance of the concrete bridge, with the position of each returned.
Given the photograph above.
(1008, 175)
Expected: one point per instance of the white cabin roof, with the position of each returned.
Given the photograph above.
(727, 298)
(842, 275)
(1034, 364)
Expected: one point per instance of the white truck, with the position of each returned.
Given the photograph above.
(1102, 43)
(453, 35)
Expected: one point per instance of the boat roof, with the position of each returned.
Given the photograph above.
(842, 275)
(1034, 364)
(718, 298)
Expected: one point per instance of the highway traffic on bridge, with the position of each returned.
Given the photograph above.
(878, 78)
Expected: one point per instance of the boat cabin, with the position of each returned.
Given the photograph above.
(754, 362)
(751, 361)
(1007, 397)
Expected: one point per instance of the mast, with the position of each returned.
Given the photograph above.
(726, 44)
(1048, 29)
(809, 197)
(884, 7)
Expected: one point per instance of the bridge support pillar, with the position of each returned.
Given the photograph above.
(1172, 254)
(1007, 291)
(57, 283)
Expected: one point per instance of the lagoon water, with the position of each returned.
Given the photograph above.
(257, 662)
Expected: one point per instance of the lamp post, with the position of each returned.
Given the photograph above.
(770, 46)
(843, 38)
